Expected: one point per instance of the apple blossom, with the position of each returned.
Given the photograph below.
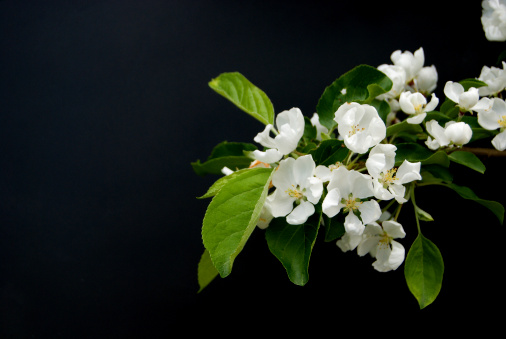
(415, 104)
(388, 182)
(295, 182)
(346, 190)
(467, 100)
(360, 126)
(411, 62)
(493, 19)
(290, 125)
(495, 118)
(397, 75)
(426, 80)
(494, 77)
(453, 134)
(378, 241)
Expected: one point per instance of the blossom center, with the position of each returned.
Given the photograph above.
(388, 177)
(354, 129)
(502, 122)
(350, 204)
(418, 108)
(335, 166)
(295, 192)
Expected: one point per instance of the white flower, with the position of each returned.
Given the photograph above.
(265, 216)
(290, 125)
(360, 126)
(467, 100)
(315, 121)
(346, 190)
(388, 182)
(378, 241)
(494, 77)
(453, 134)
(493, 19)
(495, 118)
(398, 76)
(415, 104)
(295, 182)
(412, 63)
(426, 80)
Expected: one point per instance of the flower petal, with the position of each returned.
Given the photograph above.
(332, 203)
(300, 213)
(369, 211)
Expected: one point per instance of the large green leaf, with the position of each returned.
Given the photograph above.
(414, 152)
(249, 98)
(292, 245)
(423, 270)
(467, 159)
(206, 271)
(232, 216)
(218, 184)
(362, 84)
(466, 193)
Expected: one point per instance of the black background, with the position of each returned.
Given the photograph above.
(104, 105)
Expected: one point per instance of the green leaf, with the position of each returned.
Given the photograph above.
(329, 152)
(466, 193)
(422, 215)
(249, 98)
(362, 84)
(472, 82)
(309, 130)
(478, 131)
(292, 245)
(232, 216)
(403, 127)
(218, 184)
(423, 270)
(414, 152)
(206, 271)
(467, 159)
(229, 154)
(435, 174)
(441, 118)
(334, 227)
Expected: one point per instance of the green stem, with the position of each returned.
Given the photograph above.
(413, 201)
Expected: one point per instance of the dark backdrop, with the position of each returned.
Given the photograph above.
(104, 104)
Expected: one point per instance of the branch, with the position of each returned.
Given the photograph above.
(487, 152)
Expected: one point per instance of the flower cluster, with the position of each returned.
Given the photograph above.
(378, 134)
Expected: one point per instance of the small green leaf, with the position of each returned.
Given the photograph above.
(422, 215)
(466, 193)
(403, 127)
(472, 82)
(309, 130)
(441, 118)
(232, 216)
(249, 98)
(206, 271)
(423, 270)
(362, 84)
(229, 154)
(329, 152)
(467, 159)
(292, 245)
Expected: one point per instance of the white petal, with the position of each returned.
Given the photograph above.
(393, 229)
(303, 168)
(300, 213)
(315, 190)
(283, 178)
(453, 90)
(323, 172)
(280, 203)
(416, 119)
(332, 203)
(396, 256)
(408, 172)
(369, 211)
(499, 141)
(270, 156)
(353, 225)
